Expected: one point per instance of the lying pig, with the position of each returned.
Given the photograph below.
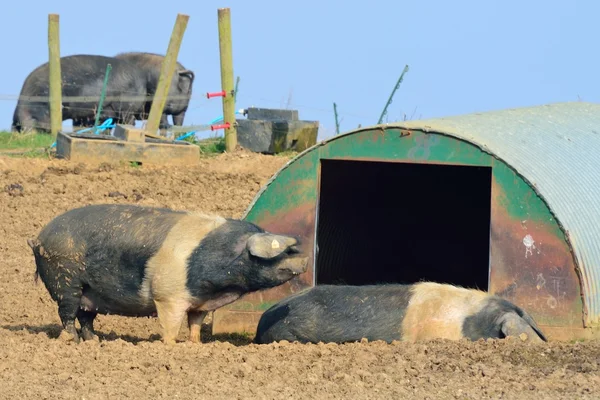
(142, 261)
(420, 311)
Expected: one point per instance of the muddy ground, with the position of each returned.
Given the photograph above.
(131, 362)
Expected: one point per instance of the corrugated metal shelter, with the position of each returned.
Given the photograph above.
(507, 201)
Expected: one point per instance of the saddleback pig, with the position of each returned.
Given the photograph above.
(142, 261)
(413, 312)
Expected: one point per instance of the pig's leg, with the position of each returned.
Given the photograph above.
(86, 320)
(170, 315)
(195, 319)
(68, 304)
(164, 122)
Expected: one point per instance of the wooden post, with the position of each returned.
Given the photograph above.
(166, 74)
(227, 78)
(55, 79)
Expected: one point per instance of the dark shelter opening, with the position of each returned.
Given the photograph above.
(391, 222)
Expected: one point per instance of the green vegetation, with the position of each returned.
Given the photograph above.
(38, 145)
(24, 141)
(28, 145)
(214, 145)
(288, 154)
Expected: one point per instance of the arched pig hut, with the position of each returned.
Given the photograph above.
(506, 201)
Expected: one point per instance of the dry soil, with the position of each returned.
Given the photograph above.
(131, 362)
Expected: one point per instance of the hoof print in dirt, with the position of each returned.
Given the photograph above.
(117, 194)
(14, 189)
(137, 196)
(136, 261)
(105, 167)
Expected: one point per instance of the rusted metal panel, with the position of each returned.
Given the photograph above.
(555, 149)
(544, 235)
(531, 264)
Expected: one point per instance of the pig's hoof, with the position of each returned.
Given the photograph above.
(195, 339)
(90, 336)
(68, 337)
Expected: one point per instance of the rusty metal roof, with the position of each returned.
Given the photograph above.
(556, 149)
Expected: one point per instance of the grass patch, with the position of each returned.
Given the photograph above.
(288, 153)
(212, 146)
(209, 146)
(34, 153)
(24, 141)
(216, 145)
(36, 145)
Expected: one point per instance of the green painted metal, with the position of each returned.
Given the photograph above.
(297, 185)
(400, 79)
(283, 192)
(554, 147)
(545, 247)
(102, 95)
(544, 161)
(235, 91)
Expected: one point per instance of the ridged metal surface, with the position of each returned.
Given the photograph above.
(556, 149)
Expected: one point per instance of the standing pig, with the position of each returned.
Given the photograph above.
(420, 311)
(82, 75)
(180, 90)
(137, 261)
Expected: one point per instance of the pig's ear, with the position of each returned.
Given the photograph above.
(513, 325)
(267, 245)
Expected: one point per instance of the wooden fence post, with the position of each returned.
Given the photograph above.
(166, 74)
(55, 79)
(224, 18)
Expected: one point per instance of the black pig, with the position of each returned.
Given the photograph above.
(420, 311)
(180, 90)
(141, 261)
(82, 75)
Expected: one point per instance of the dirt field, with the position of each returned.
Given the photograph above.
(131, 362)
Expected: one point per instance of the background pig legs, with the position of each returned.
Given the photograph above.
(195, 319)
(86, 320)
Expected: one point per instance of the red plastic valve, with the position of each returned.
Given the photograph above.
(220, 126)
(222, 93)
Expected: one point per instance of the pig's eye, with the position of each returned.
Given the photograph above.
(292, 250)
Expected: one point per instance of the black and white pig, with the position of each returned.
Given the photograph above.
(388, 312)
(140, 261)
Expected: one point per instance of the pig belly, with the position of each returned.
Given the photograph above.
(126, 306)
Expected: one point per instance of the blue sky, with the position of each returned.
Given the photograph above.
(464, 55)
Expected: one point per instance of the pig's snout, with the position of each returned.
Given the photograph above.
(296, 265)
(301, 266)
